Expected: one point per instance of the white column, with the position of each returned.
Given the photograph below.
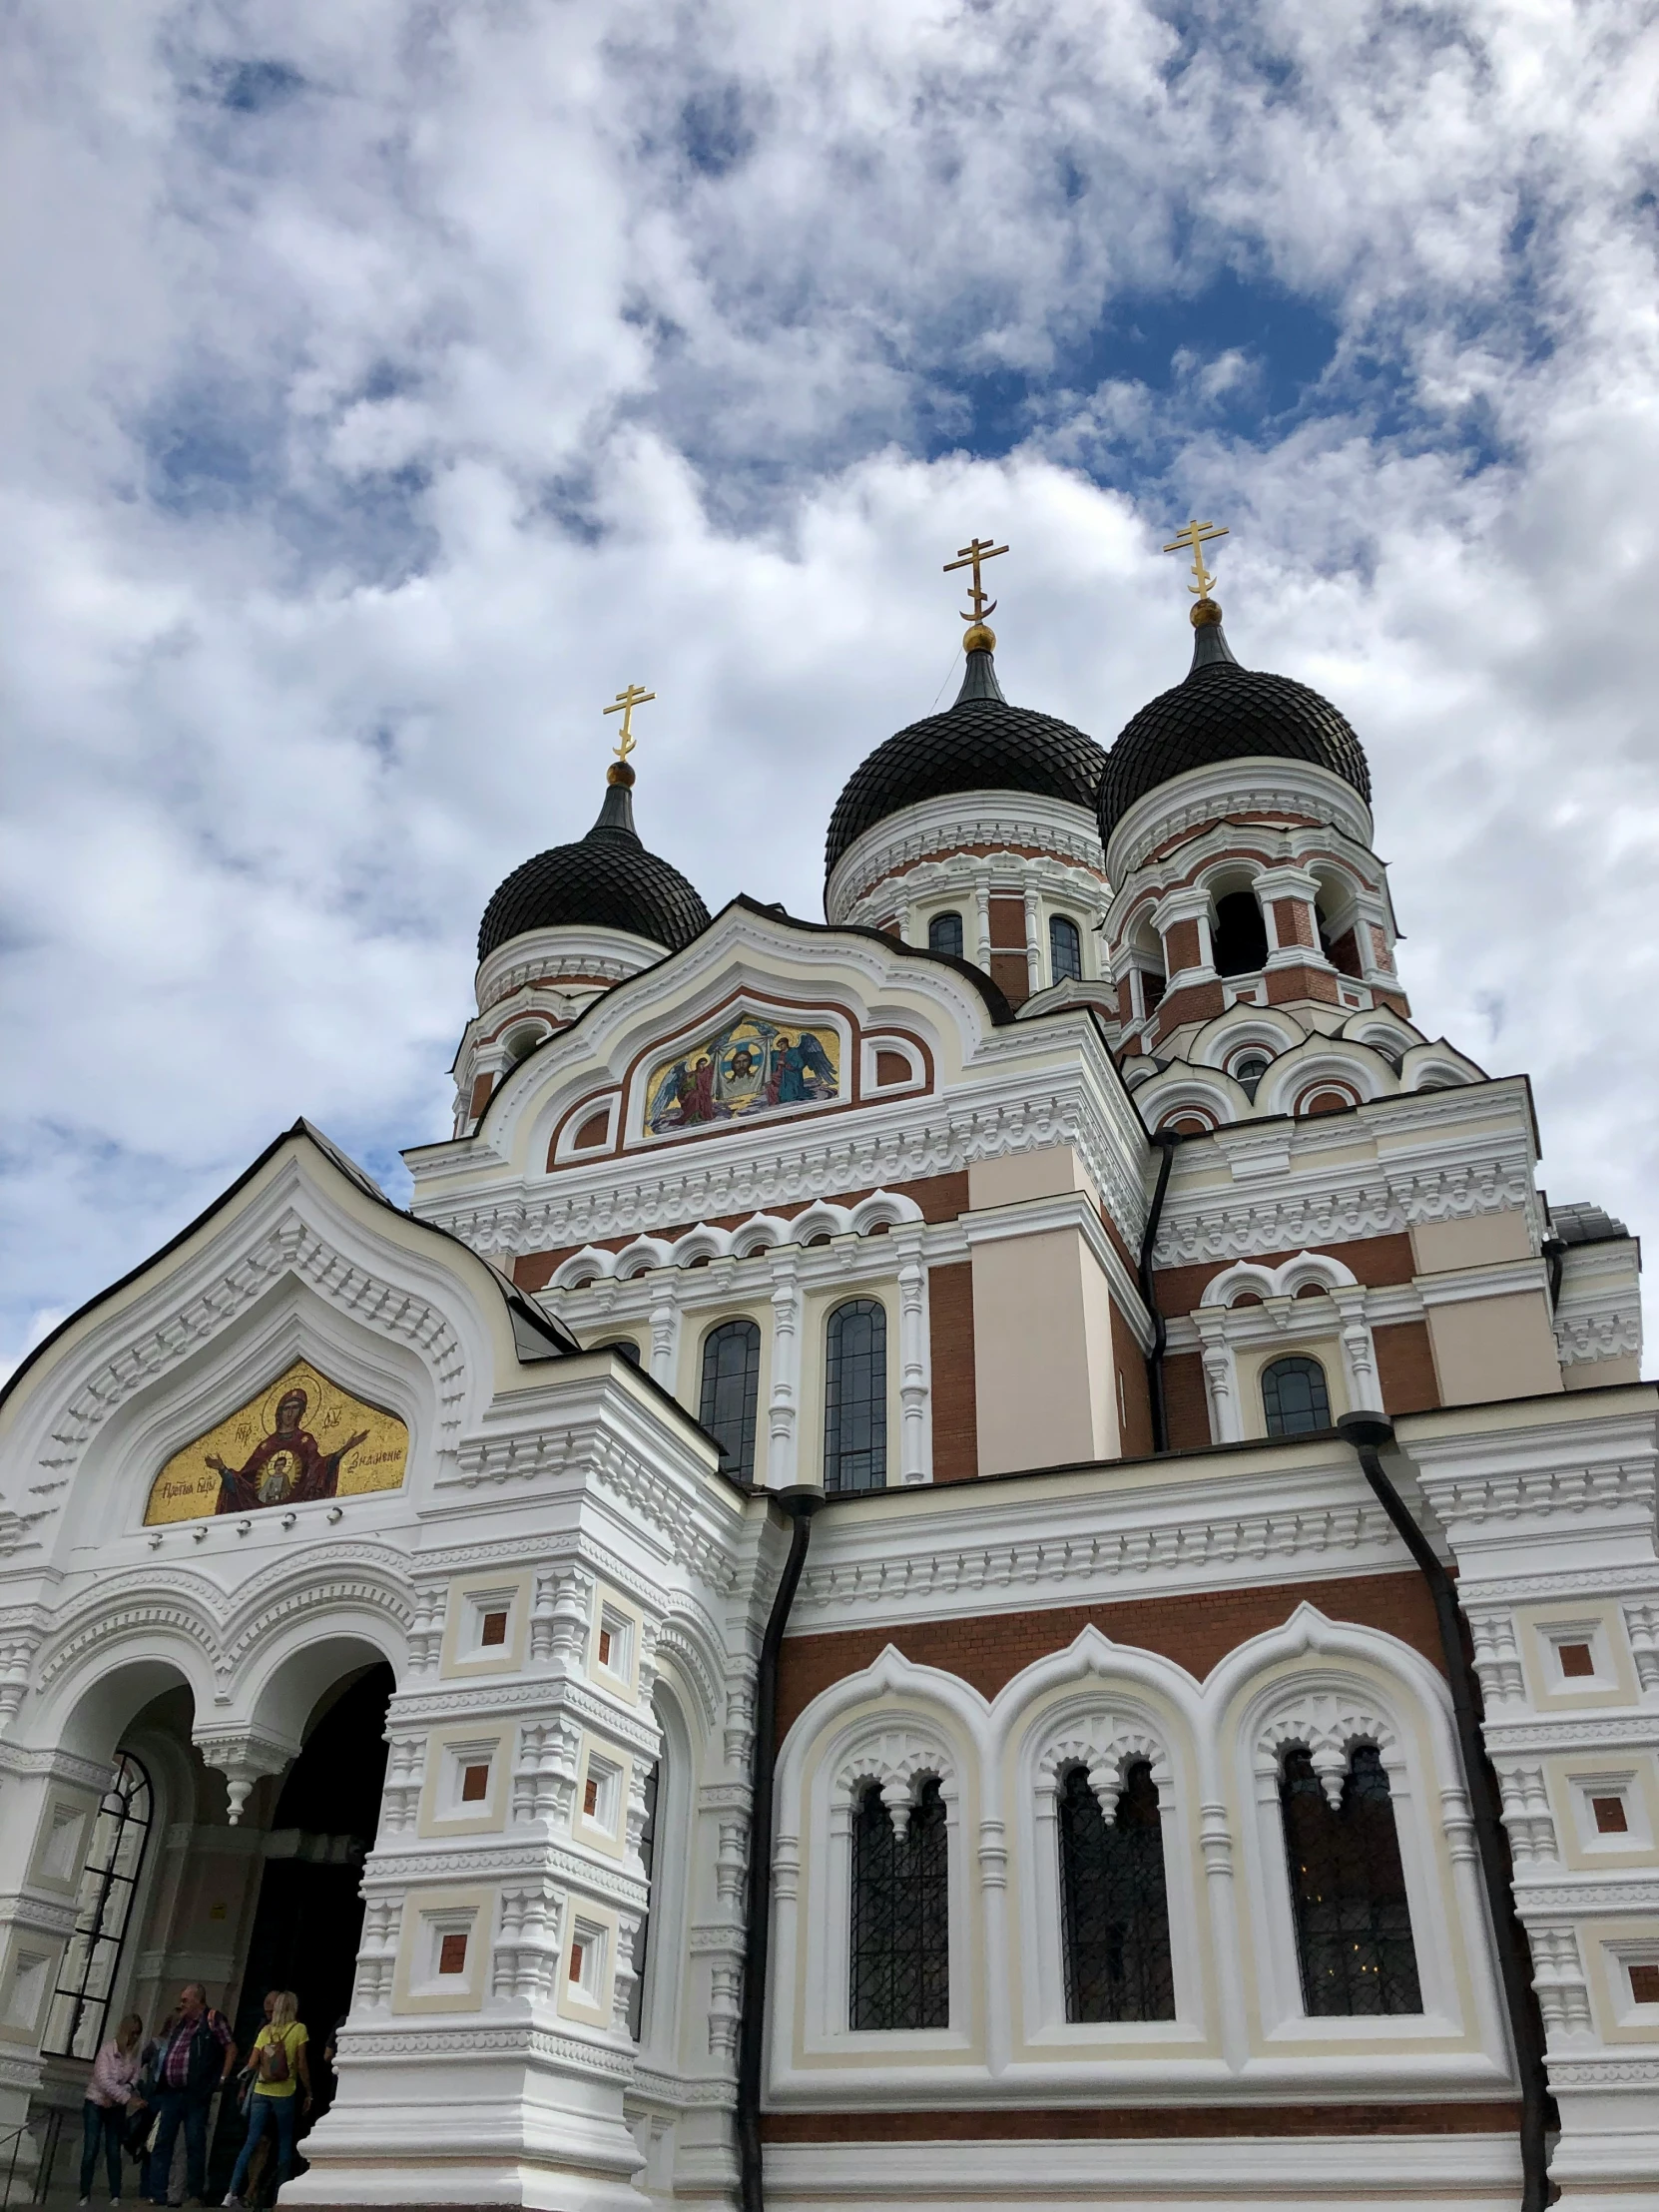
(982, 902)
(665, 1341)
(1365, 1391)
(916, 1457)
(1220, 1377)
(784, 1411)
(1033, 941)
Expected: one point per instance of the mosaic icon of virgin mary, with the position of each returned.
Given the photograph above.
(288, 1467)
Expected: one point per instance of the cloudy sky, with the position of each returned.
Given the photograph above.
(388, 381)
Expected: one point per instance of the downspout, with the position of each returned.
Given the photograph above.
(799, 1503)
(1165, 1144)
(1554, 1253)
(1367, 1432)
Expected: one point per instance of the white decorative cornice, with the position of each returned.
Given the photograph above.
(954, 822)
(1248, 787)
(603, 955)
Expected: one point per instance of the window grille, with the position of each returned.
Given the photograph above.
(1352, 1921)
(900, 1914)
(1116, 1910)
(731, 1386)
(103, 1908)
(944, 934)
(856, 1398)
(1294, 1399)
(1065, 951)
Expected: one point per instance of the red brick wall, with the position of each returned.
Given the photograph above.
(1406, 1368)
(1374, 1259)
(1198, 1629)
(951, 1334)
(1186, 1406)
(1181, 947)
(1287, 983)
(1134, 1396)
(1007, 920)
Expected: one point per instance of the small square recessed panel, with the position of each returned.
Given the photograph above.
(475, 1785)
(1577, 1660)
(1644, 1984)
(452, 1954)
(1610, 1817)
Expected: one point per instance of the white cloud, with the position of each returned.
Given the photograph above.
(388, 386)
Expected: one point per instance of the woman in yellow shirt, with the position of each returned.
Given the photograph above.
(282, 2087)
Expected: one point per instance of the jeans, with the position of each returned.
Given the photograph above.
(104, 2123)
(280, 2113)
(175, 2107)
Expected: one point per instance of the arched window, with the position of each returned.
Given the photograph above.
(900, 1947)
(103, 1908)
(1240, 934)
(1116, 1910)
(944, 934)
(1065, 950)
(1352, 1922)
(1294, 1399)
(731, 1385)
(856, 1398)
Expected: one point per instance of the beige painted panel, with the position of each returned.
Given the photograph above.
(1047, 1173)
(1490, 1347)
(1441, 1245)
(1031, 1351)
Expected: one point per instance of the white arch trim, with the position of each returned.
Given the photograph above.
(759, 1233)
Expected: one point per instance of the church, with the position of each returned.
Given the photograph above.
(987, 1553)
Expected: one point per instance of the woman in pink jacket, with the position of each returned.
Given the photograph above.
(115, 2073)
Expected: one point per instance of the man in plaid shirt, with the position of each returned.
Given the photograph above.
(193, 2054)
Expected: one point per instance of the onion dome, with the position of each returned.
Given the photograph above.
(1223, 711)
(982, 745)
(607, 880)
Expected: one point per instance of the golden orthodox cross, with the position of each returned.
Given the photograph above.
(624, 705)
(1194, 538)
(970, 556)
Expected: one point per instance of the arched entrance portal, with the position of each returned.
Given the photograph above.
(307, 1920)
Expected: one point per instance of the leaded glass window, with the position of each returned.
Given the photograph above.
(103, 1908)
(944, 934)
(901, 1914)
(1065, 950)
(731, 1386)
(1116, 1909)
(1352, 1921)
(1294, 1399)
(856, 1398)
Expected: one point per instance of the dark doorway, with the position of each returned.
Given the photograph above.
(309, 1916)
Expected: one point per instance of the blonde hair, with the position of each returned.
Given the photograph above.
(286, 2011)
(129, 2032)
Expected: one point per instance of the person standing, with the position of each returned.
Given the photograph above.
(282, 2087)
(115, 2073)
(195, 2055)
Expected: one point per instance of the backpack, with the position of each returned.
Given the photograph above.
(274, 2058)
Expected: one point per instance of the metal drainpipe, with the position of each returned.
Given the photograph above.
(1367, 1432)
(799, 1503)
(1166, 1143)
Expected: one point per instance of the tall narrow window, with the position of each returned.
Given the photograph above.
(856, 1398)
(1065, 950)
(103, 1908)
(944, 934)
(648, 1860)
(1240, 934)
(730, 1386)
(1116, 1910)
(1294, 1399)
(1352, 1921)
(901, 1914)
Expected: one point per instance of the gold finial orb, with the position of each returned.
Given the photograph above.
(979, 638)
(1205, 612)
(620, 772)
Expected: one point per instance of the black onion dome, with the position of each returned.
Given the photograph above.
(982, 745)
(1223, 711)
(607, 880)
